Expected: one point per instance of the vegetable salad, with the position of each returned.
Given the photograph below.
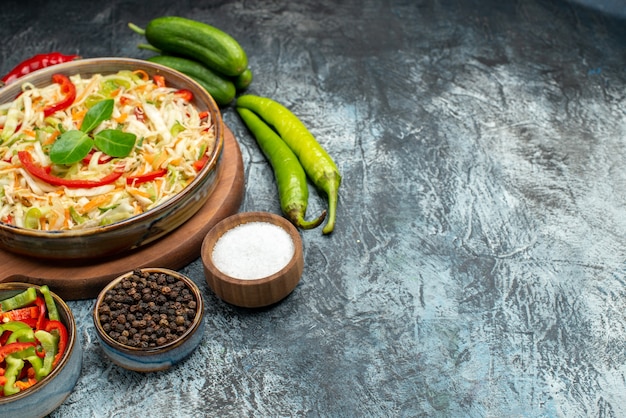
(85, 152)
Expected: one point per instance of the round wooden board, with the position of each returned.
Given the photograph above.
(84, 280)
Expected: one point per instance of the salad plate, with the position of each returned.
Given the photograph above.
(91, 233)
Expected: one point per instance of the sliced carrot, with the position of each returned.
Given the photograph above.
(148, 157)
(121, 118)
(78, 114)
(137, 192)
(66, 219)
(28, 132)
(160, 159)
(87, 90)
(95, 202)
(51, 138)
(142, 74)
(25, 384)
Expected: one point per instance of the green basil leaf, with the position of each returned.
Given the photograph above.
(114, 142)
(98, 113)
(70, 147)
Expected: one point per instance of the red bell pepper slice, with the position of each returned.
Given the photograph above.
(43, 173)
(43, 311)
(69, 95)
(20, 314)
(62, 332)
(199, 164)
(184, 94)
(104, 158)
(135, 180)
(4, 337)
(159, 80)
(14, 348)
(32, 322)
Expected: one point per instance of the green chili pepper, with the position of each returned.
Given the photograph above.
(20, 300)
(317, 164)
(290, 177)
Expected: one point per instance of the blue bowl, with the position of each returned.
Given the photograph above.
(156, 358)
(45, 396)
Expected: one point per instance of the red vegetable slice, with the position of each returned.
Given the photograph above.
(104, 158)
(199, 164)
(62, 332)
(69, 92)
(135, 180)
(184, 94)
(35, 63)
(43, 173)
(20, 314)
(43, 311)
(14, 348)
(159, 80)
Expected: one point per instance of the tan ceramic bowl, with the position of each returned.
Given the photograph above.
(256, 292)
(136, 231)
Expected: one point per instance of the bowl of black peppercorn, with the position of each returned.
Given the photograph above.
(149, 319)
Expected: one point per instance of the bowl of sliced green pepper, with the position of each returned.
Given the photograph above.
(40, 356)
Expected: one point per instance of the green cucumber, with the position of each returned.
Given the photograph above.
(219, 87)
(243, 80)
(196, 40)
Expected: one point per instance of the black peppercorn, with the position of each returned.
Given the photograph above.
(147, 310)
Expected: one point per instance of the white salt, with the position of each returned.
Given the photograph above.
(253, 250)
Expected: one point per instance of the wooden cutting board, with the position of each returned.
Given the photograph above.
(84, 280)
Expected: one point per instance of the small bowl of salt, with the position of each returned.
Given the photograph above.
(252, 259)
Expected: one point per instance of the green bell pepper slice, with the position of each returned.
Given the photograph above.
(50, 344)
(13, 326)
(20, 300)
(22, 335)
(53, 312)
(14, 368)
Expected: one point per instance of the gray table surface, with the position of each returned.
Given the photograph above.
(478, 267)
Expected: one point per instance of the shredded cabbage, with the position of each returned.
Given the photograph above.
(170, 132)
